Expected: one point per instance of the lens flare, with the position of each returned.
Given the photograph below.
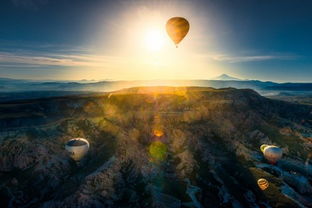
(158, 132)
(158, 151)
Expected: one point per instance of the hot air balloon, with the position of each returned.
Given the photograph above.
(271, 153)
(263, 184)
(77, 148)
(177, 28)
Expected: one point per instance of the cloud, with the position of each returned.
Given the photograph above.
(69, 60)
(237, 59)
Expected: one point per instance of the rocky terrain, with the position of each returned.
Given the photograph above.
(156, 147)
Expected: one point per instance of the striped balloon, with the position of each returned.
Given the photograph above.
(263, 184)
(177, 28)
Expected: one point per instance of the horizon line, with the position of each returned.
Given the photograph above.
(140, 80)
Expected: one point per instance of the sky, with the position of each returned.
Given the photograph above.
(127, 40)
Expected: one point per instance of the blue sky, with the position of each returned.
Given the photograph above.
(97, 39)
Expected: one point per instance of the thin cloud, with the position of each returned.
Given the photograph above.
(64, 60)
(237, 59)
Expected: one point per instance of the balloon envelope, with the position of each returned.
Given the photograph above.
(263, 184)
(262, 147)
(272, 153)
(77, 148)
(177, 28)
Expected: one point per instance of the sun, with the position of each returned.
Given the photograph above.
(154, 39)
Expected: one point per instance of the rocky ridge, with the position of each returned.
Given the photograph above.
(206, 156)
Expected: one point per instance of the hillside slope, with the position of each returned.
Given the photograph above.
(156, 147)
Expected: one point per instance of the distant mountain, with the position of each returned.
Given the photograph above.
(8, 86)
(225, 77)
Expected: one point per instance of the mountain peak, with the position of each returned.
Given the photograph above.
(225, 77)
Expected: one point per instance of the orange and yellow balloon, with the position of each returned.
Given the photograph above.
(177, 28)
(263, 184)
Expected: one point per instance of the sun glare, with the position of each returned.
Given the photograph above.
(150, 53)
(153, 39)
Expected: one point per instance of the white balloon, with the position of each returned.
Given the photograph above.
(272, 153)
(77, 148)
